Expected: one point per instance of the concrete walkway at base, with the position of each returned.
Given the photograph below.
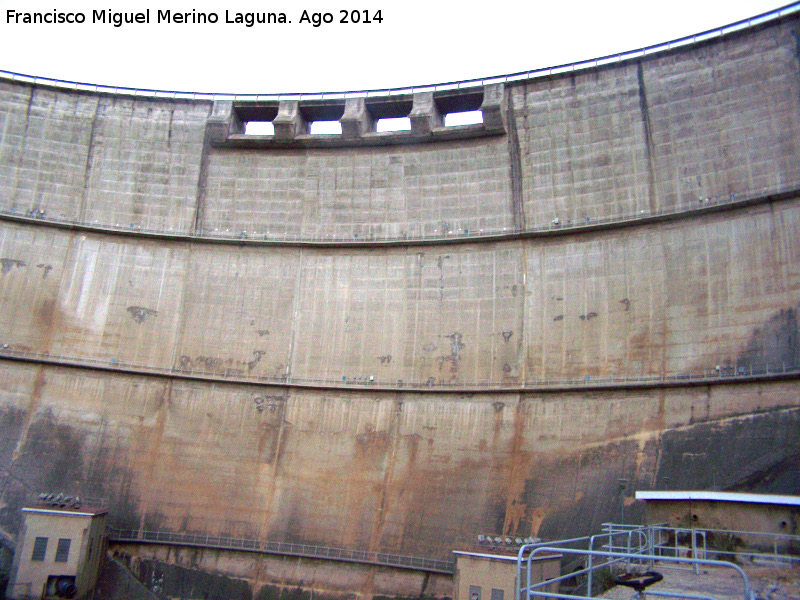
(766, 583)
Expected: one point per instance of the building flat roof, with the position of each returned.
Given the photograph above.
(721, 497)
(64, 512)
(508, 557)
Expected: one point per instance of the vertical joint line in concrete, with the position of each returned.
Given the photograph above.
(795, 33)
(379, 523)
(87, 169)
(515, 172)
(180, 330)
(28, 113)
(202, 179)
(295, 309)
(522, 354)
(23, 148)
(648, 136)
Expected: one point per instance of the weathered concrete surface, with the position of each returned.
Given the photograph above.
(207, 574)
(391, 469)
(667, 131)
(118, 583)
(407, 473)
(669, 299)
(410, 191)
(100, 159)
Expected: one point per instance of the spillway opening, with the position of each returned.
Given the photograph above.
(256, 119)
(468, 117)
(259, 128)
(393, 124)
(390, 114)
(323, 118)
(325, 128)
(460, 107)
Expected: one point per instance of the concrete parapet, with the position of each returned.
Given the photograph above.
(356, 120)
(358, 116)
(222, 109)
(223, 122)
(289, 123)
(424, 115)
(492, 107)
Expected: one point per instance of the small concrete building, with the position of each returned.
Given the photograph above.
(776, 515)
(59, 553)
(765, 513)
(493, 575)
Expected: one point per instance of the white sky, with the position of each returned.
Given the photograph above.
(418, 42)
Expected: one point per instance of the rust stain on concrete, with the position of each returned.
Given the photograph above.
(518, 469)
(33, 408)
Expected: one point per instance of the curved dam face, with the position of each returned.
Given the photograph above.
(398, 341)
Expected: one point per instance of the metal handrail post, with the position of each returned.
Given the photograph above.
(652, 548)
(528, 586)
(589, 565)
(628, 562)
(705, 544)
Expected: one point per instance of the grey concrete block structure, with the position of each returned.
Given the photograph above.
(395, 341)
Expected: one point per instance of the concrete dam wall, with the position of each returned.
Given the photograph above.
(398, 341)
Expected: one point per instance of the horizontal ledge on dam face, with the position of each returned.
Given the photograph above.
(394, 138)
(554, 228)
(423, 114)
(709, 376)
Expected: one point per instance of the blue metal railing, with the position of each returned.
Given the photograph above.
(629, 545)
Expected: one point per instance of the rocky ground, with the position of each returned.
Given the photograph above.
(766, 583)
(775, 584)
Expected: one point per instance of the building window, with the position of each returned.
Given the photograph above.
(474, 592)
(62, 551)
(39, 549)
(497, 594)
